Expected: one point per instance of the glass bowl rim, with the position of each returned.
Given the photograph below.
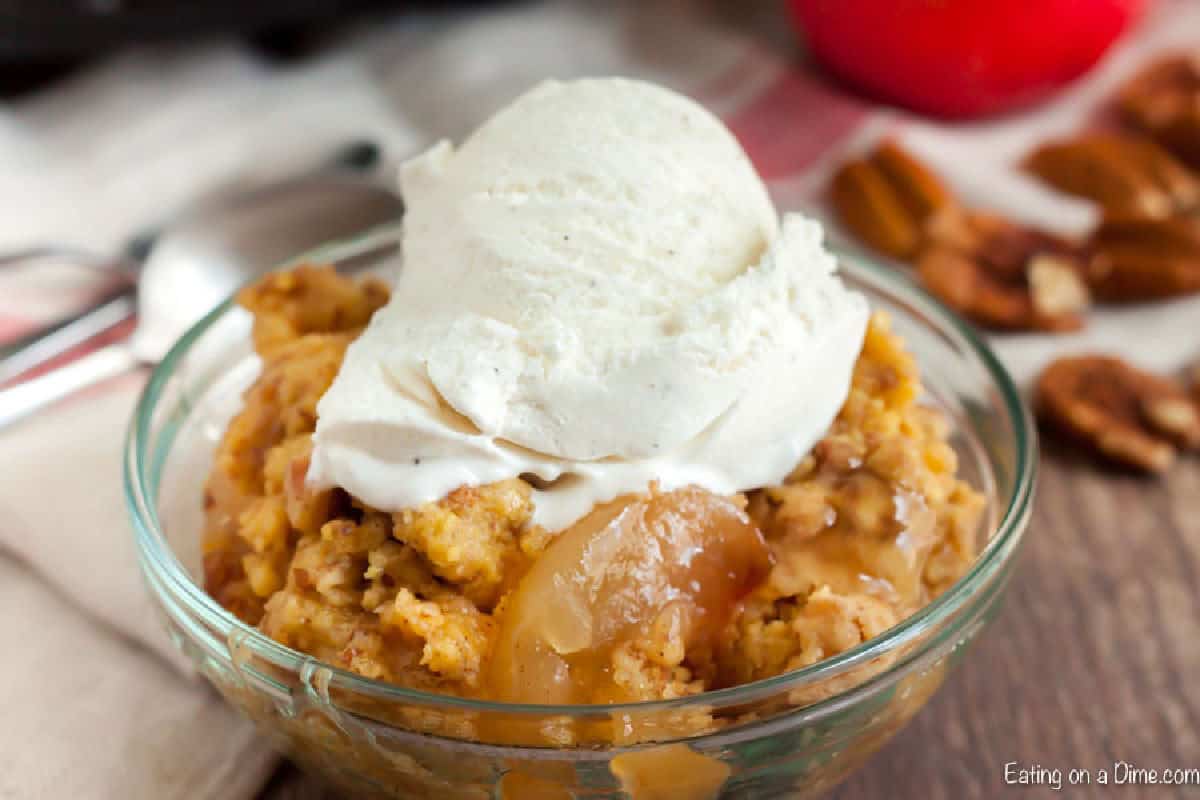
(158, 558)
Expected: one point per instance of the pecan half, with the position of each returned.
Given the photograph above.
(1144, 259)
(1005, 276)
(1126, 414)
(888, 199)
(1163, 100)
(1127, 175)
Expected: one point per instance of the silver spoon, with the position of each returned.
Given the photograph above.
(196, 264)
(60, 336)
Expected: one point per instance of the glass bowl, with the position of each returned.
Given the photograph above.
(768, 739)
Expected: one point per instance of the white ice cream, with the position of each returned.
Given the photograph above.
(596, 291)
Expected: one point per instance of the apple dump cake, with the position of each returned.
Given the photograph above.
(612, 433)
(865, 530)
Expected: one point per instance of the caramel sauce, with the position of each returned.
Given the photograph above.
(876, 541)
(673, 772)
(519, 785)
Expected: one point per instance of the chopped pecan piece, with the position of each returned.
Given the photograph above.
(1124, 413)
(1127, 175)
(1163, 100)
(1144, 259)
(1004, 276)
(1058, 291)
(888, 199)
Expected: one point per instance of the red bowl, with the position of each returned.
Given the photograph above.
(961, 58)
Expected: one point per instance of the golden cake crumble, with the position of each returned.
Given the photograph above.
(866, 530)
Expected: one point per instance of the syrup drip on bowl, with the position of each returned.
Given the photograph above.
(670, 566)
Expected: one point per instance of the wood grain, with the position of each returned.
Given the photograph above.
(1094, 659)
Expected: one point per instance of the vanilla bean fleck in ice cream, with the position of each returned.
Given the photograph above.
(597, 291)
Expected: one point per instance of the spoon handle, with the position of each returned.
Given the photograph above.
(25, 398)
(60, 337)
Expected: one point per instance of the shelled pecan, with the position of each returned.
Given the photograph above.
(1163, 100)
(1126, 174)
(888, 199)
(1144, 259)
(1004, 276)
(1126, 414)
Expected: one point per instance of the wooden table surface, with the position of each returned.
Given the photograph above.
(1094, 659)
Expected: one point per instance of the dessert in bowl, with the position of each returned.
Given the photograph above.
(615, 485)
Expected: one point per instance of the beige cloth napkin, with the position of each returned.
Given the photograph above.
(87, 713)
(87, 706)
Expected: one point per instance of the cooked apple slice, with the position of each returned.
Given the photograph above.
(608, 577)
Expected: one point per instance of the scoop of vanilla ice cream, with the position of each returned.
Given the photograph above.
(559, 245)
(596, 291)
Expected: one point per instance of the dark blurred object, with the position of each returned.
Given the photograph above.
(961, 58)
(41, 40)
(44, 30)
